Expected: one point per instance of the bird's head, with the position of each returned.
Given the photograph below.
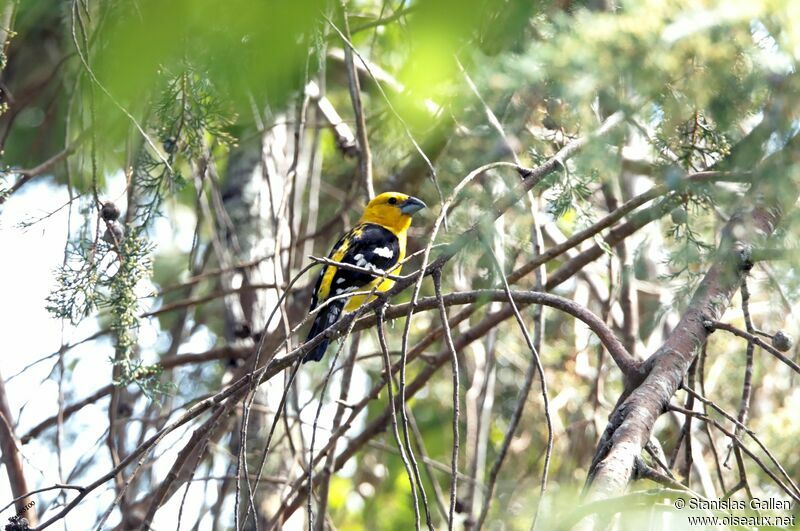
(392, 210)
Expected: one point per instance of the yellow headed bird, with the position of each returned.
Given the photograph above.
(377, 242)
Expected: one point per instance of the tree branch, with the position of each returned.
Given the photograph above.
(632, 421)
(12, 458)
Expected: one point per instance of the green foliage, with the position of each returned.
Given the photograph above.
(86, 266)
(106, 275)
(202, 79)
(190, 113)
(568, 192)
(695, 144)
(252, 48)
(75, 296)
(191, 123)
(133, 265)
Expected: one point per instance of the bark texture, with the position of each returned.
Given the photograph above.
(632, 421)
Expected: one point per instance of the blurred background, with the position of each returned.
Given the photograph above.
(170, 168)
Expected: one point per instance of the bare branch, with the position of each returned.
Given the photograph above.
(364, 152)
(12, 458)
(629, 427)
(437, 283)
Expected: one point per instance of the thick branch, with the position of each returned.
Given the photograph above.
(632, 421)
(12, 458)
(266, 370)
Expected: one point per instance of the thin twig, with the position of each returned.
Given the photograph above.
(28, 174)
(747, 390)
(389, 383)
(706, 402)
(388, 101)
(354, 86)
(702, 380)
(316, 418)
(437, 283)
(325, 479)
(718, 325)
(437, 490)
(794, 494)
(543, 382)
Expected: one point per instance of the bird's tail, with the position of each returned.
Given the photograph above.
(325, 318)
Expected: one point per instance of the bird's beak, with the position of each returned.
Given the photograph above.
(411, 205)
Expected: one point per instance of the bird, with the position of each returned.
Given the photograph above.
(377, 242)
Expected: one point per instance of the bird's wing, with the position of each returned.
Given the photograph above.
(366, 245)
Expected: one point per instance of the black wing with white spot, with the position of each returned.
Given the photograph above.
(375, 248)
(368, 246)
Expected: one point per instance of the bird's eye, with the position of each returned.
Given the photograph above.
(392, 200)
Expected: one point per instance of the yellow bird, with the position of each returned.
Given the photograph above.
(377, 242)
